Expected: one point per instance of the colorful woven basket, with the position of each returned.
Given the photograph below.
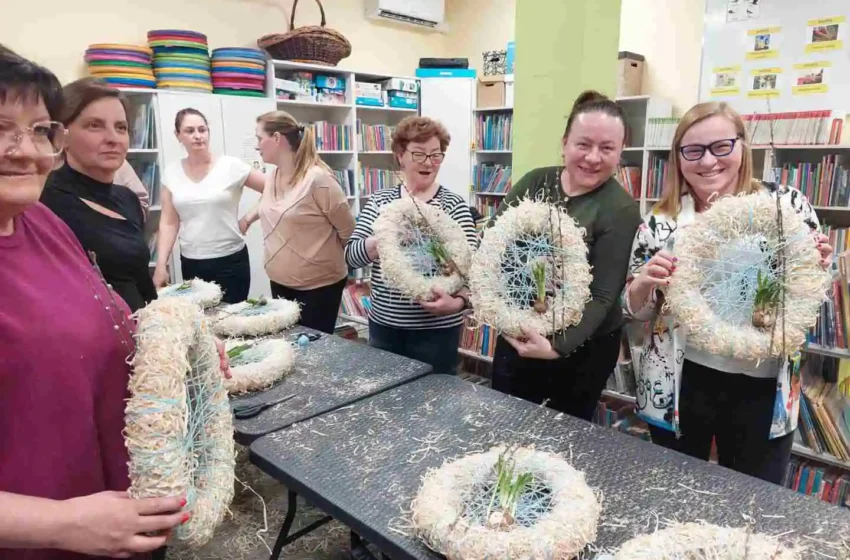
(314, 43)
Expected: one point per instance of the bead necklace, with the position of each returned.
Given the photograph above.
(125, 335)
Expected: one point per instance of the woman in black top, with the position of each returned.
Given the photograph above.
(108, 219)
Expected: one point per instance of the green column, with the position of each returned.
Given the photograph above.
(563, 47)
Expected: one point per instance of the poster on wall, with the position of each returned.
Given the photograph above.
(763, 43)
(764, 83)
(811, 77)
(726, 81)
(825, 34)
(741, 10)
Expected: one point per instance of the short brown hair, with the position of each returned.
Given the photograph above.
(418, 129)
(82, 93)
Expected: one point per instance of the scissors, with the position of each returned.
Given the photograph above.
(249, 411)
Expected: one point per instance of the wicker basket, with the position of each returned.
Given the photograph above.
(313, 43)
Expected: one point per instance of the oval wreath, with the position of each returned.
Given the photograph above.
(748, 284)
(531, 270)
(179, 431)
(199, 292)
(421, 248)
(256, 365)
(256, 317)
(530, 504)
(702, 541)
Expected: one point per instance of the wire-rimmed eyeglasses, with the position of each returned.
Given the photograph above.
(48, 137)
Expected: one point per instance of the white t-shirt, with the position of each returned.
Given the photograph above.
(208, 210)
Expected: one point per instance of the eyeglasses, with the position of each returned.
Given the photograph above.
(420, 157)
(48, 137)
(720, 148)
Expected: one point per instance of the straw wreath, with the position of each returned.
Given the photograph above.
(531, 271)
(421, 248)
(475, 507)
(256, 365)
(199, 292)
(748, 282)
(256, 317)
(179, 431)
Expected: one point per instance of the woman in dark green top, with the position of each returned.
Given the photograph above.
(571, 367)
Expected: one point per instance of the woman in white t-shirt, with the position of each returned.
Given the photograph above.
(200, 200)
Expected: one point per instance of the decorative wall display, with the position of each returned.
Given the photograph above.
(741, 10)
(811, 77)
(763, 43)
(764, 82)
(825, 34)
(726, 81)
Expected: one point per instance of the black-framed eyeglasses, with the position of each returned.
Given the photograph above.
(718, 148)
(48, 137)
(421, 157)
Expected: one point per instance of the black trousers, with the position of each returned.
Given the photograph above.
(572, 384)
(319, 306)
(734, 409)
(436, 347)
(232, 273)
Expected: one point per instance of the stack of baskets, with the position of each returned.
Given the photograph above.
(315, 44)
(238, 71)
(181, 60)
(121, 66)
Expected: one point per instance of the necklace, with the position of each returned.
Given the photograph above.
(110, 307)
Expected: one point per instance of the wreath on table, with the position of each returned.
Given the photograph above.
(199, 292)
(257, 364)
(256, 317)
(531, 271)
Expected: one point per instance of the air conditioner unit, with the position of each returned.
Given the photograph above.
(427, 14)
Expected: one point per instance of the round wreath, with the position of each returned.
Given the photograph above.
(256, 365)
(205, 294)
(531, 271)
(256, 317)
(702, 541)
(530, 504)
(179, 431)
(421, 248)
(748, 283)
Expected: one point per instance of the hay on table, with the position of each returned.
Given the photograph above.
(738, 252)
(257, 317)
(457, 513)
(531, 271)
(256, 365)
(199, 292)
(179, 431)
(421, 248)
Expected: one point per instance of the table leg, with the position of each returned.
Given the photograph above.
(284, 538)
(359, 550)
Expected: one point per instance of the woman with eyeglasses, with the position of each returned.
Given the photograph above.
(108, 219)
(748, 407)
(428, 331)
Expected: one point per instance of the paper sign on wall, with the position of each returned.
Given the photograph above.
(811, 77)
(764, 83)
(763, 43)
(740, 10)
(825, 34)
(726, 81)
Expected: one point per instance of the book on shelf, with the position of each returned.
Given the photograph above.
(477, 338)
(373, 179)
(487, 205)
(838, 238)
(493, 131)
(832, 328)
(374, 138)
(657, 175)
(825, 184)
(331, 137)
(825, 484)
(630, 176)
(148, 173)
(144, 128)
(795, 128)
(491, 178)
(660, 131)
(824, 424)
(345, 178)
(355, 299)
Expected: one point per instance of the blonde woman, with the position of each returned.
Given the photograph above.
(687, 396)
(306, 221)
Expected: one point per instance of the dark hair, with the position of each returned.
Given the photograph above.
(591, 101)
(83, 92)
(183, 113)
(418, 129)
(21, 79)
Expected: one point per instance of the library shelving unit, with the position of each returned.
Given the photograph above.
(492, 155)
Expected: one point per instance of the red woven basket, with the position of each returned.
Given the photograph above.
(314, 44)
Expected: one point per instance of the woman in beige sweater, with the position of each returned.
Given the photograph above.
(306, 221)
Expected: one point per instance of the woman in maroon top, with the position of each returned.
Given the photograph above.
(64, 341)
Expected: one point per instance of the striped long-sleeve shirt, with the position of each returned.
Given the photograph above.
(388, 306)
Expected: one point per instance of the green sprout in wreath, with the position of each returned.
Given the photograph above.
(507, 493)
(538, 272)
(768, 293)
(438, 251)
(257, 302)
(184, 286)
(237, 351)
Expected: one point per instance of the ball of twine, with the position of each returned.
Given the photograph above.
(258, 365)
(702, 541)
(199, 292)
(179, 431)
(256, 317)
(720, 258)
(403, 231)
(525, 234)
(444, 518)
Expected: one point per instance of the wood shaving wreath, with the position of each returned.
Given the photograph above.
(179, 431)
(531, 271)
(534, 505)
(421, 248)
(748, 282)
(199, 292)
(257, 317)
(256, 365)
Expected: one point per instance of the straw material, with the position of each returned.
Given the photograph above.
(250, 319)
(259, 366)
(205, 294)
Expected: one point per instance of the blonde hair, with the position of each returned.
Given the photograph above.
(675, 185)
(302, 139)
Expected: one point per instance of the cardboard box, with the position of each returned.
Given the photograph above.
(629, 74)
(401, 84)
(491, 92)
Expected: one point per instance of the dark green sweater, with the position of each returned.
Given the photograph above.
(610, 217)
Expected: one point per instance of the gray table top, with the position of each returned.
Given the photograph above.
(330, 373)
(363, 465)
